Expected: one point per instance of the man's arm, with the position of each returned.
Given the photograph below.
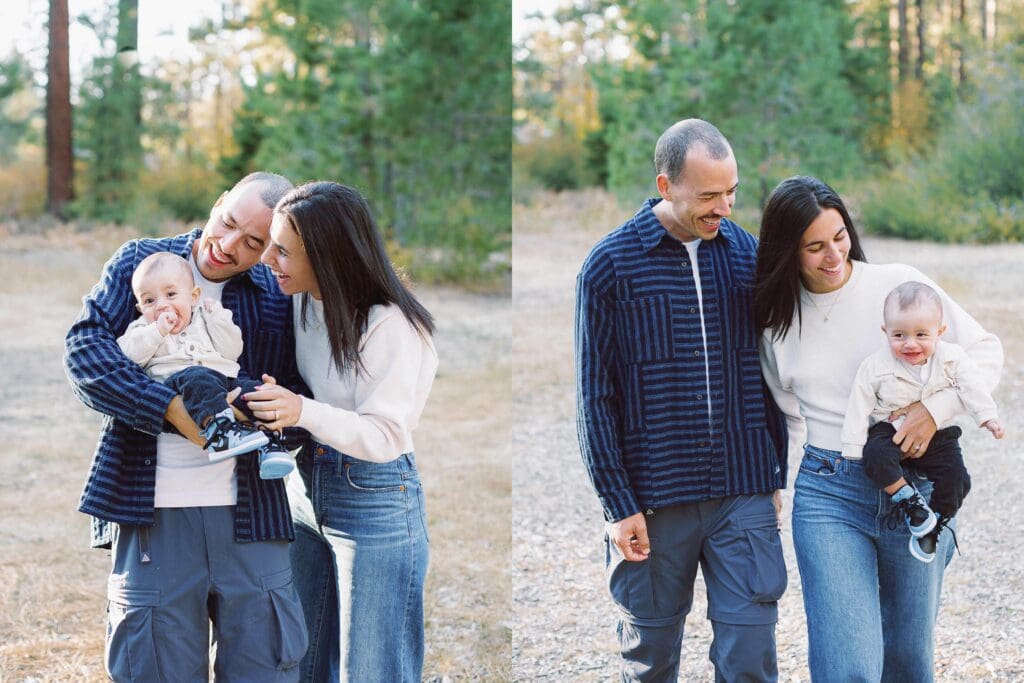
(598, 410)
(101, 375)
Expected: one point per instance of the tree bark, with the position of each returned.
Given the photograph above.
(59, 162)
(903, 60)
(919, 64)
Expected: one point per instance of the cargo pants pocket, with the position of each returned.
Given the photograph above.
(766, 576)
(130, 653)
(289, 625)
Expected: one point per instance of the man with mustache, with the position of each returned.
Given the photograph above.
(683, 445)
(193, 542)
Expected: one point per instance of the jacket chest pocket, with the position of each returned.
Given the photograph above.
(644, 328)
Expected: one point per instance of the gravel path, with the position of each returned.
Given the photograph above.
(563, 619)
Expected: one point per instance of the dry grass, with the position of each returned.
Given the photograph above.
(564, 620)
(51, 583)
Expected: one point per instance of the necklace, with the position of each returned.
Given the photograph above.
(832, 304)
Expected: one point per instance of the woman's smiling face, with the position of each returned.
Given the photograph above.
(288, 260)
(824, 248)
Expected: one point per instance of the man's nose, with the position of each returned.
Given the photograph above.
(723, 207)
(229, 242)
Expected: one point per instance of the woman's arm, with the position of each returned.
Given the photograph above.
(388, 397)
(784, 398)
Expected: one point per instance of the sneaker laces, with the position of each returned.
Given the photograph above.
(943, 523)
(901, 511)
(216, 428)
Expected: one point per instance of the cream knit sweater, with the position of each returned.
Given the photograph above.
(811, 372)
(370, 416)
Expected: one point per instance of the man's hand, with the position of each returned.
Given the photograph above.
(777, 502)
(630, 536)
(165, 322)
(917, 430)
(179, 417)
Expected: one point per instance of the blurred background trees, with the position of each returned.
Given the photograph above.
(911, 108)
(409, 101)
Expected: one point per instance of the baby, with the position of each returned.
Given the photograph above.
(914, 366)
(193, 347)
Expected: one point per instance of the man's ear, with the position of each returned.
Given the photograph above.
(663, 186)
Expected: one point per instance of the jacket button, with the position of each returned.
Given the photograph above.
(696, 353)
(319, 451)
(148, 461)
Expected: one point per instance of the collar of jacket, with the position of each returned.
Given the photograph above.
(652, 232)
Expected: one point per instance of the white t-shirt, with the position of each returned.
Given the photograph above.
(185, 477)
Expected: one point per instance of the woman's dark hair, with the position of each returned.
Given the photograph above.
(793, 205)
(350, 264)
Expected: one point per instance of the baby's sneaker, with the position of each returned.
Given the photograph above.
(275, 460)
(923, 548)
(226, 438)
(920, 518)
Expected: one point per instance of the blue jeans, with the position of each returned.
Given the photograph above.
(360, 559)
(871, 606)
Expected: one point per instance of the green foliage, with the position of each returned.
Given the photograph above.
(184, 191)
(774, 76)
(409, 102)
(970, 187)
(15, 78)
(108, 126)
(556, 163)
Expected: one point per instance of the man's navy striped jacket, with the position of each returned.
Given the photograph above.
(642, 413)
(121, 481)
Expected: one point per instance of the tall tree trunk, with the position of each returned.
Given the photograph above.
(984, 23)
(904, 41)
(919, 64)
(59, 164)
(960, 40)
(126, 78)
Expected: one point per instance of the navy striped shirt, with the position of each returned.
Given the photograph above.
(642, 414)
(122, 479)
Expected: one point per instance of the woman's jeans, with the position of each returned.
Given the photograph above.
(871, 606)
(359, 561)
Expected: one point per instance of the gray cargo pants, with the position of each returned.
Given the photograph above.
(169, 581)
(736, 543)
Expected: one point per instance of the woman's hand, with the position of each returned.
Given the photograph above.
(273, 405)
(917, 430)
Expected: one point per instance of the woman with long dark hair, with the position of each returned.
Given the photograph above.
(871, 606)
(363, 347)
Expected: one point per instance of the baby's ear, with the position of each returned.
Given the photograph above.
(942, 330)
(196, 292)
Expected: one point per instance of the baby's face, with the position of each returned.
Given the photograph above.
(913, 332)
(166, 290)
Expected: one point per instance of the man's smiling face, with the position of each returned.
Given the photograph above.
(236, 234)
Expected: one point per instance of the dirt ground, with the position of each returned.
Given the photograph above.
(52, 584)
(563, 619)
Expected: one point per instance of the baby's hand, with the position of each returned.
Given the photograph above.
(994, 427)
(208, 305)
(166, 322)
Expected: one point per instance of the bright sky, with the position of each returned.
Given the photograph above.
(163, 29)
